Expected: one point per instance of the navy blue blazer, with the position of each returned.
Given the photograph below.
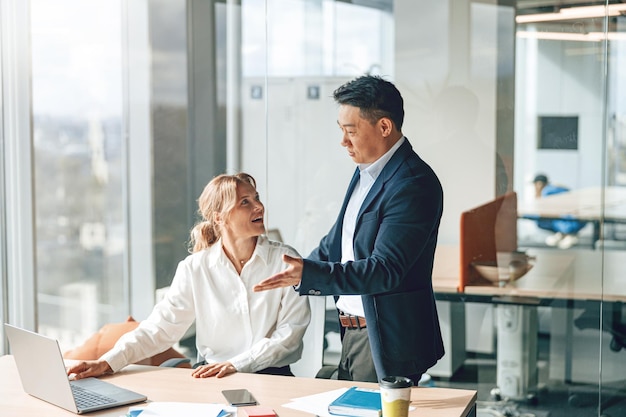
(394, 246)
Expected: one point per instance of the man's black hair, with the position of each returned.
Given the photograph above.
(375, 97)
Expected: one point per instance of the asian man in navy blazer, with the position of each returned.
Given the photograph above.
(377, 259)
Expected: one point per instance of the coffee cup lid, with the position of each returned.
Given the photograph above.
(396, 382)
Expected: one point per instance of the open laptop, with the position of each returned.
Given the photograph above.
(42, 371)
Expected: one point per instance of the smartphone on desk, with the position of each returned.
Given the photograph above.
(239, 397)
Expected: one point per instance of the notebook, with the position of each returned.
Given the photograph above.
(42, 372)
(361, 402)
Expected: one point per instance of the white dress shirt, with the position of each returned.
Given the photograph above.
(368, 173)
(252, 330)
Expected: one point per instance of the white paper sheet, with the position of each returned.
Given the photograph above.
(317, 403)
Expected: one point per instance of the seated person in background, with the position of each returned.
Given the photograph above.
(237, 329)
(565, 231)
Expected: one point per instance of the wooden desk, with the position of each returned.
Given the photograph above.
(593, 204)
(590, 203)
(175, 384)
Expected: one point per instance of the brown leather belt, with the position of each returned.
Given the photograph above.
(352, 322)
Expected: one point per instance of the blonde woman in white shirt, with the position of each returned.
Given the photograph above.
(237, 329)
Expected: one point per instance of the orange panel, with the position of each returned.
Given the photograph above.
(485, 230)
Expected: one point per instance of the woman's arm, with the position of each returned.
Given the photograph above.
(166, 324)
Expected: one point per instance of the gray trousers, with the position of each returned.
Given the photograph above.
(356, 362)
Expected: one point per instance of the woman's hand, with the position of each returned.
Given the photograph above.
(86, 369)
(214, 369)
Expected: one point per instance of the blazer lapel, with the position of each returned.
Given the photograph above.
(353, 182)
(387, 173)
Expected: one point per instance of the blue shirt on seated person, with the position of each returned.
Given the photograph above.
(566, 228)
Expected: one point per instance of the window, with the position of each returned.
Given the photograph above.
(79, 166)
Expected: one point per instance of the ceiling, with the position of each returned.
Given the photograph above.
(523, 6)
(547, 6)
(576, 25)
(526, 7)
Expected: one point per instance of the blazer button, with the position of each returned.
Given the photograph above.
(314, 292)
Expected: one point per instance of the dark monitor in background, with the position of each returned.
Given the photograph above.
(558, 132)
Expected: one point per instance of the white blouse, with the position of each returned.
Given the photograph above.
(251, 330)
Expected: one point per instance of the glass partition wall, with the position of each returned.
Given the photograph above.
(132, 118)
(569, 84)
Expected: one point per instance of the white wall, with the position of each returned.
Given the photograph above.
(440, 83)
(556, 78)
(301, 157)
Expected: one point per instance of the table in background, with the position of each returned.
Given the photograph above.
(575, 274)
(577, 278)
(594, 204)
(176, 384)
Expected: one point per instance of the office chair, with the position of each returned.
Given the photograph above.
(327, 372)
(103, 340)
(174, 362)
(612, 323)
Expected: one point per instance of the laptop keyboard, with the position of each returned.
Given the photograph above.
(85, 398)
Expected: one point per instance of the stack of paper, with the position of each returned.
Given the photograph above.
(316, 404)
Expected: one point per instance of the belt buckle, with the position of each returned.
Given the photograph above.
(352, 325)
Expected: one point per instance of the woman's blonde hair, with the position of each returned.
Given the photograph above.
(218, 197)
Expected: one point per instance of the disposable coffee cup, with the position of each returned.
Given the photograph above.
(395, 395)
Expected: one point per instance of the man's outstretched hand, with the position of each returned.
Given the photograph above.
(288, 278)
